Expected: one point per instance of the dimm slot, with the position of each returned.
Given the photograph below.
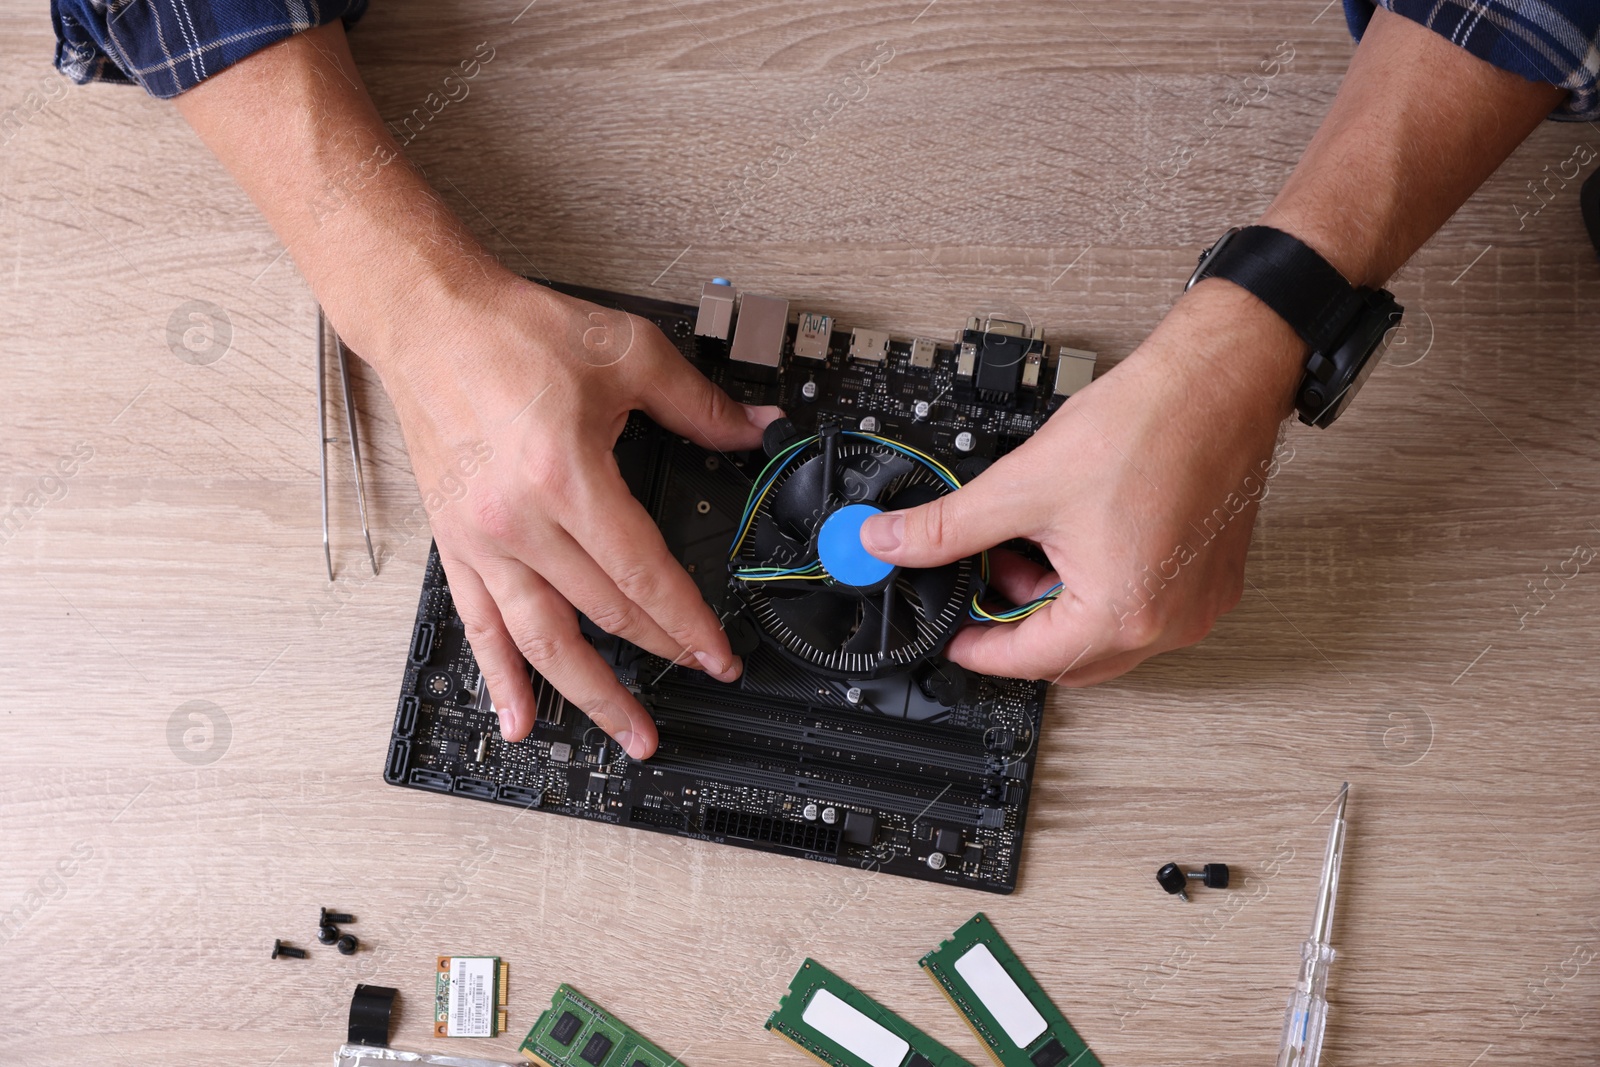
(940, 741)
(939, 811)
(926, 782)
(906, 751)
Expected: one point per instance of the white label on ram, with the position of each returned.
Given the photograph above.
(850, 1029)
(1000, 993)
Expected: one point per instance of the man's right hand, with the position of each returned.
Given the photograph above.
(528, 390)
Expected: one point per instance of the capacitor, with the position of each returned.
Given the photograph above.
(936, 861)
(810, 812)
(964, 441)
(809, 390)
(921, 409)
(830, 816)
(853, 694)
(869, 424)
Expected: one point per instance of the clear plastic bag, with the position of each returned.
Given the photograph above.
(375, 1056)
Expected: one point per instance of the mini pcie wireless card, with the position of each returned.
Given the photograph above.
(469, 998)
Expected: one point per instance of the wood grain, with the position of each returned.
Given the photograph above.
(1008, 155)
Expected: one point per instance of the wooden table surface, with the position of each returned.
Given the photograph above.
(195, 721)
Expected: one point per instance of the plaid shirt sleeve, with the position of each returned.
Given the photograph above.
(1554, 41)
(169, 46)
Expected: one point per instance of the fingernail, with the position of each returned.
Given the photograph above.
(711, 665)
(630, 744)
(882, 533)
(761, 414)
(508, 722)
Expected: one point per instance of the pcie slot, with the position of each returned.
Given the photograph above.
(913, 807)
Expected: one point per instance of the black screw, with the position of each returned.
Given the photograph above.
(347, 945)
(327, 933)
(1173, 878)
(1170, 877)
(280, 949)
(333, 918)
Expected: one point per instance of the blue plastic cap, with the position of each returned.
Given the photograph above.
(839, 547)
(720, 281)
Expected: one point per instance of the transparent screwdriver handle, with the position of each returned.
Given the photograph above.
(1308, 1009)
(1308, 1004)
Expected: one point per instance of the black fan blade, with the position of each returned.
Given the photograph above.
(769, 546)
(869, 637)
(798, 501)
(934, 588)
(866, 476)
(912, 496)
(823, 619)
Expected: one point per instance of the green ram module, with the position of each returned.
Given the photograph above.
(843, 1027)
(577, 1032)
(1002, 1003)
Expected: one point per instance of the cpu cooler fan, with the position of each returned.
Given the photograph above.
(812, 588)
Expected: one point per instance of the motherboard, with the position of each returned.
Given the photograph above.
(848, 739)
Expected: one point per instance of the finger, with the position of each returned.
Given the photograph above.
(565, 564)
(684, 401)
(988, 510)
(1055, 639)
(545, 629)
(1105, 670)
(614, 529)
(1018, 579)
(500, 663)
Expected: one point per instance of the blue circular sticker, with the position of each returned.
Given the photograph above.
(839, 547)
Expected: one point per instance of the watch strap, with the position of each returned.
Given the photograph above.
(1291, 278)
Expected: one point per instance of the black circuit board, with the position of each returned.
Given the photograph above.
(877, 774)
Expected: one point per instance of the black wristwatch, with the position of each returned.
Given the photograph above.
(1346, 327)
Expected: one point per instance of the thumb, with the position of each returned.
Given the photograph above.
(684, 401)
(964, 523)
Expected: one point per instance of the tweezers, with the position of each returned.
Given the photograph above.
(350, 430)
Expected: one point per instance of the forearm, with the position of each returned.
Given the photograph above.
(1417, 126)
(1142, 489)
(511, 396)
(295, 127)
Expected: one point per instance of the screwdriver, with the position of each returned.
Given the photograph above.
(1308, 1004)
